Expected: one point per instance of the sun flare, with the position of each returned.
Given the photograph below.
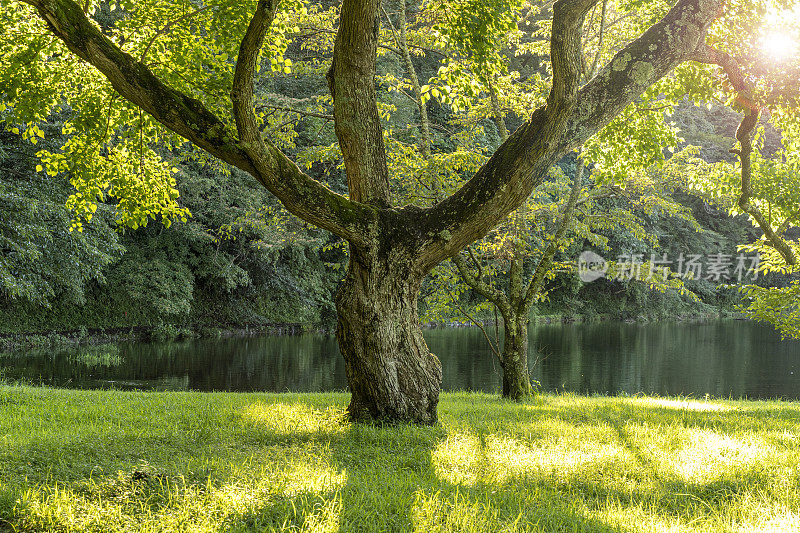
(780, 41)
(779, 46)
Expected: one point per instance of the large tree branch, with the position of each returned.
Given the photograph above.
(242, 93)
(351, 79)
(744, 134)
(136, 83)
(190, 119)
(711, 56)
(566, 53)
(521, 162)
(264, 156)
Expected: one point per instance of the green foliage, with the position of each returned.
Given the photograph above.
(237, 260)
(475, 28)
(775, 305)
(239, 257)
(110, 148)
(636, 139)
(41, 261)
(774, 191)
(155, 285)
(105, 154)
(165, 333)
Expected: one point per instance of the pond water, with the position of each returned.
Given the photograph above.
(724, 358)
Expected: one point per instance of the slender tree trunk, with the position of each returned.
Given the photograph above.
(514, 359)
(425, 129)
(391, 373)
(516, 379)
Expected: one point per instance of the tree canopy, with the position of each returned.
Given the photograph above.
(139, 80)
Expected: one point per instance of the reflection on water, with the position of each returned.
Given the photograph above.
(718, 358)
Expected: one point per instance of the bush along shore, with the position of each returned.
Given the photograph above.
(134, 461)
(172, 332)
(158, 333)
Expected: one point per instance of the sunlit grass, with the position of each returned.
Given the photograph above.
(683, 404)
(127, 461)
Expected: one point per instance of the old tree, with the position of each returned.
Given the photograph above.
(391, 373)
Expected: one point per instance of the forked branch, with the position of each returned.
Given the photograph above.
(479, 285)
(189, 118)
(564, 124)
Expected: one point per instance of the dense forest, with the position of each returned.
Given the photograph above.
(239, 259)
(234, 257)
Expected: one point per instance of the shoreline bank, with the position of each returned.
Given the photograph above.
(171, 332)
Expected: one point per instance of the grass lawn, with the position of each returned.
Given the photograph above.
(131, 461)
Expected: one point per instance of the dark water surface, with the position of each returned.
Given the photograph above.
(725, 358)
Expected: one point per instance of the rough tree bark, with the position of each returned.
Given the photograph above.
(392, 374)
(516, 376)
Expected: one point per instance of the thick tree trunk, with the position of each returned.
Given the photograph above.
(516, 380)
(391, 373)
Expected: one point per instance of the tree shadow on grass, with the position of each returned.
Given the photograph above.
(396, 478)
(701, 460)
(391, 482)
(491, 466)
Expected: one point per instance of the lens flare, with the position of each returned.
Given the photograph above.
(780, 38)
(779, 46)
